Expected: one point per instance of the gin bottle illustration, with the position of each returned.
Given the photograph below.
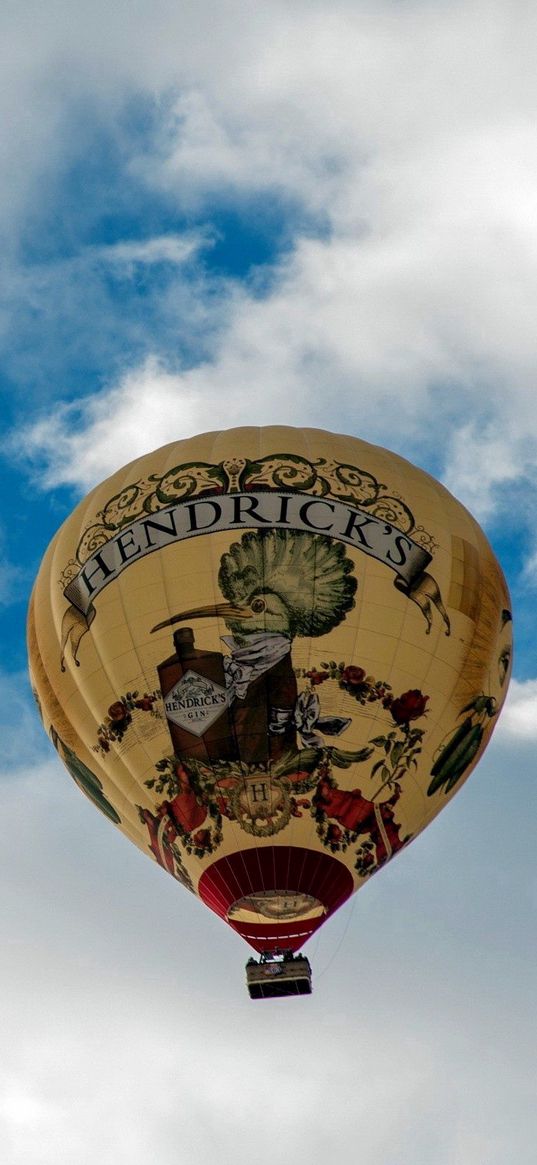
(196, 700)
(263, 711)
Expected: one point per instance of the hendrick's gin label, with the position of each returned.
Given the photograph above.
(193, 687)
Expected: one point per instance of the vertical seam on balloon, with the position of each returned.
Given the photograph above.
(234, 827)
(294, 826)
(265, 685)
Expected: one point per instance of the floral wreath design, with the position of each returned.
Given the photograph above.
(344, 817)
(196, 791)
(119, 717)
(402, 745)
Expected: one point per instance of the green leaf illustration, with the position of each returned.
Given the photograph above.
(343, 759)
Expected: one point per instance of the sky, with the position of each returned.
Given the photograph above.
(310, 213)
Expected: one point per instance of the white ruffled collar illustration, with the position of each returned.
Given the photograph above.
(247, 663)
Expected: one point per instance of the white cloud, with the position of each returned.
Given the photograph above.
(140, 414)
(10, 578)
(408, 133)
(518, 721)
(23, 743)
(530, 569)
(158, 249)
(352, 336)
(480, 460)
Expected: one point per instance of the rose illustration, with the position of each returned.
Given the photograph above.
(118, 711)
(317, 677)
(223, 806)
(365, 860)
(353, 677)
(119, 717)
(201, 839)
(181, 773)
(145, 703)
(410, 706)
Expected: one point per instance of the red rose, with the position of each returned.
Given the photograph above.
(201, 838)
(118, 711)
(334, 833)
(146, 703)
(317, 677)
(353, 676)
(297, 805)
(410, 706)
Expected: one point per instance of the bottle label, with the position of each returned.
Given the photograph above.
(195, 702)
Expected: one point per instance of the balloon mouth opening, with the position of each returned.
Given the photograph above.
(275, 877)
(280, 905)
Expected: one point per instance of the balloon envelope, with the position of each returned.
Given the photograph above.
(270, 657)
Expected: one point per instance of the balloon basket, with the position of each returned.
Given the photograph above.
(277, 975)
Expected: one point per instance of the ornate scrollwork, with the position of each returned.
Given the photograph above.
(69, 572)
(285, 471)
(184, 481)
(423, 538)
(234, 468)
(393, 510)
(90, 541)
(350, 484)
(126, 506)
(322, 478)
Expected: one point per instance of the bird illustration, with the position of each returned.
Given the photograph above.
(281, 582)
(294, 583)
(278, 584)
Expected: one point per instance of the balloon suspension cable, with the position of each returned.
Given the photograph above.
(340, 943)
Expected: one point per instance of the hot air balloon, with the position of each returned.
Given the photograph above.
(270, 657)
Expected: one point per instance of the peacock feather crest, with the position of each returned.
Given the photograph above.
(309, 573)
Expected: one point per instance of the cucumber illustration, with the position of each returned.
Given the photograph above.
(460, 750)
(455, 758)
(456, 740)
(85, 779)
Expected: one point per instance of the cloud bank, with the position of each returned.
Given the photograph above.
(402, 144)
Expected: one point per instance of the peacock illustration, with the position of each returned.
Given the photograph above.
(278, 584)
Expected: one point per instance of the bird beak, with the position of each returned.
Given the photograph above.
(216, 610)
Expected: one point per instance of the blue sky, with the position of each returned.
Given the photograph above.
(306, 213)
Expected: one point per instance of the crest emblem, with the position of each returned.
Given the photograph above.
(261, 804)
